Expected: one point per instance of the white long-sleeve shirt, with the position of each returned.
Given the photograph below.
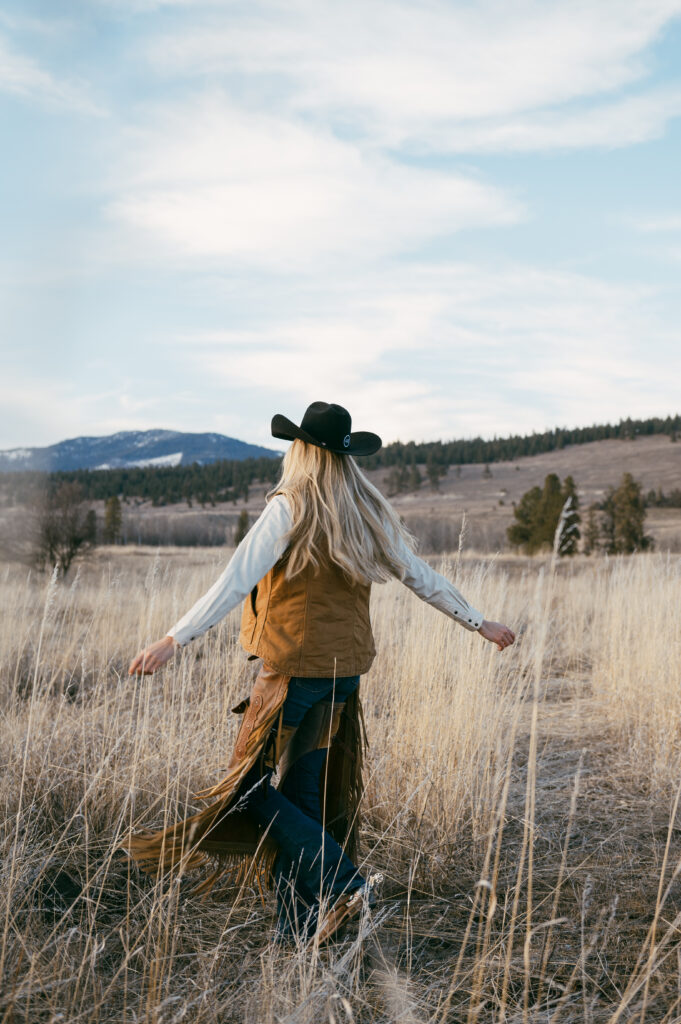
(263, 546)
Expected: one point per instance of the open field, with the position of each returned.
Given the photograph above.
(521, 806)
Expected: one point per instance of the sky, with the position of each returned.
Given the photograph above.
(453, 218)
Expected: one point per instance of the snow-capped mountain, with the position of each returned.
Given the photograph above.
(131, 448)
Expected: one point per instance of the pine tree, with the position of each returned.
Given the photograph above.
(241, 528)
(592, 531)
(415, 479)
(90, 528)
(624, 516)
(570, 533)
(541, 512)
(434, 471)
(550, 509)
(522, 533)
(113, 520)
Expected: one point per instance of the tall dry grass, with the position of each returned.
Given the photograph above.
(467, 928)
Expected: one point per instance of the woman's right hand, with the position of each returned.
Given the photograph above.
(152, 657)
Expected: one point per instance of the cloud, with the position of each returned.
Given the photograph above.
(213, 180)
(414, 352)
(455, 351)
(657, 223)
(23, 76)
(624, 122)
(38, 410)
(409, 74)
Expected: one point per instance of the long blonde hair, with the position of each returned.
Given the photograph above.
(338, 515)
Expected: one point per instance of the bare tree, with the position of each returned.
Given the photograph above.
(65, 528)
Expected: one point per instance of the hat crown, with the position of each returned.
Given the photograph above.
(329, 423)
(328, 426)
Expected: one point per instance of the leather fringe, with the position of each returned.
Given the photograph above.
(344, 777)
(209, 834)
(208, 839)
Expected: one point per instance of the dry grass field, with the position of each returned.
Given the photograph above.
(522, 806)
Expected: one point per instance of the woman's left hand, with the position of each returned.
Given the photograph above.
(152, 657)
(497, 634)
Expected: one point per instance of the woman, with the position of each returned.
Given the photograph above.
(305, 570)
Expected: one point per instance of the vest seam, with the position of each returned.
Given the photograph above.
(304, 631)
(266, 610)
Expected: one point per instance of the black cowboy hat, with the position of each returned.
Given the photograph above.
(327, 426)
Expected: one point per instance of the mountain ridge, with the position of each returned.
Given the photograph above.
(131, 448)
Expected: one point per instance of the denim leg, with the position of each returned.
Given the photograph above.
(322, 867)
(299, 871)
(301, 786)
(302, 783)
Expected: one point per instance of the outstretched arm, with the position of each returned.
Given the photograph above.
(437, 590)
(261, 548)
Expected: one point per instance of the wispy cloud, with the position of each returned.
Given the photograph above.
(622, 122)
(669, 222)
(210, 179)
(46, 408)
(413, 74)
(23, 76)
(457, 350)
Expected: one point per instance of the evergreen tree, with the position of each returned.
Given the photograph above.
(241, 528)
(434, 470)
(592, 531)
(415, 479)
(113, 520)
(541, 512)
(90, 527)
(550, 509)
(522, 533)
(570, 533)
(624, 516)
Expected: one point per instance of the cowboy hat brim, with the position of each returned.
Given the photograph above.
(362, 442)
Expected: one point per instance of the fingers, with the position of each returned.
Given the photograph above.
(153, 657)
(506, 638)
(143, 665)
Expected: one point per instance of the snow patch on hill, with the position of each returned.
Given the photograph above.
(174, 459)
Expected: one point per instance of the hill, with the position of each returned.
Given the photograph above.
(131, 448)
(196, 505)
(487, 495)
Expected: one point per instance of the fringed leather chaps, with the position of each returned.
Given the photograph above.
(226, 837)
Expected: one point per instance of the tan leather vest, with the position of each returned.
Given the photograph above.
(311, 625)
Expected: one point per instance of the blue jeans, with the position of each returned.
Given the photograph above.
(310, 863)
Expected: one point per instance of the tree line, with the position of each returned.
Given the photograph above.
(545, 518)
(229, 480)
(504, 449)
(225, 480)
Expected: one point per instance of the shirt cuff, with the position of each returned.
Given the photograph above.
(181, 636)
(473, 621)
